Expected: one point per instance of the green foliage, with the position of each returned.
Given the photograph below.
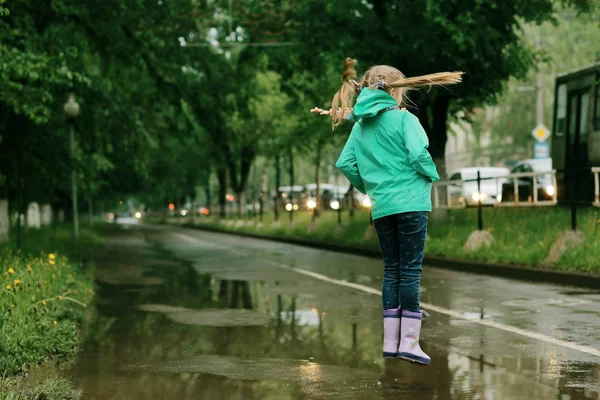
(568, 44)
(158, 118)
(43, 297)
(478, 37)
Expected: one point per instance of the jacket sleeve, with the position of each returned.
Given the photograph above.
(417, 143)
(347, 164)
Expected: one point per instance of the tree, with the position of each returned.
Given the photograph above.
(478, 37)
(106, 53)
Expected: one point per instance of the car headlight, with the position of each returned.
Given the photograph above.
(476, 196)
(366, 202)
(289, 206)
(550, 189)
(311, 204)
(138, 215)
(335, 205)
(183, 213)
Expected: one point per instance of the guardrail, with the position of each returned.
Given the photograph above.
(596, 172)
(533, 200)
(495, 199)
(436, 195)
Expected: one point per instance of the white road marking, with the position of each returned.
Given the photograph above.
(441, 310)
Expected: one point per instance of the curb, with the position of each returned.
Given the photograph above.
(511, 271)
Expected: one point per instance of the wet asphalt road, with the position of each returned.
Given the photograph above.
(186, 314)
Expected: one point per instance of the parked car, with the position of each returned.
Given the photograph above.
(466, 194)
(297, 195)
(332, 196)
(545, 183)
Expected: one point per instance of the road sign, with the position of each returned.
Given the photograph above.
(540, 133)
(541, 150)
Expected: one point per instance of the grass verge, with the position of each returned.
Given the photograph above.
(523, 236)
(44, 292)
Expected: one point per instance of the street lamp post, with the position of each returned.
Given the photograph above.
(72, 110)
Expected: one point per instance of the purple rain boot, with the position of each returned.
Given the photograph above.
(410, 330)
(391, 332)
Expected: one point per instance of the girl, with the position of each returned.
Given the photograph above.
(386, 157)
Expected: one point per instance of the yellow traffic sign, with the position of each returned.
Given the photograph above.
(540, 133)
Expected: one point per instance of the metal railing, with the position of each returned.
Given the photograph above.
(596, 172)
(534, 199)
(436, 195)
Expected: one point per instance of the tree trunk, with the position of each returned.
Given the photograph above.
(351, 203)
(434, 119)
(318, 157)
(222, 178)
(277, 185)
(239, 185)
(439, 133)
(291, 172)
(241, 204)
(207, 194)
(264, 189)
(20, 207)
(194, 210)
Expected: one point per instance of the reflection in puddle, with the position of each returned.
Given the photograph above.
(259, 369)
(216, 317)
(289, 337)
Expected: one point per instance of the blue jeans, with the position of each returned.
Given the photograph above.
(402, 239)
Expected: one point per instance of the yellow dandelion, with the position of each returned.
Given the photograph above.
(29, 269)
(44, 302)
(8, 287)
(52, 262)
(51, 256)
(11, 271)
(16, 282)
(60, 297)
(54, 322)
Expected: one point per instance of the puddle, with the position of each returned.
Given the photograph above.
(217, 317)
(295, 371)
(130, 281)
(225, 327)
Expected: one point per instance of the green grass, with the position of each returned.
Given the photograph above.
(44, 292)
(522, 236)
(48, 389)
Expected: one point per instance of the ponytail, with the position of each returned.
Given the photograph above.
(382, 77)
(439, 79)
(344, 98)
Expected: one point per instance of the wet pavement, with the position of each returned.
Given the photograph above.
(186, 314)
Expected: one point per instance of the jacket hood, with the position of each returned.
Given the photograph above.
(370, 102)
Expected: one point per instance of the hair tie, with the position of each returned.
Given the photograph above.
(357, 86)
(380, 84)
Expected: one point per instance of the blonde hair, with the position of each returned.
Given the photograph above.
(389, 78)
